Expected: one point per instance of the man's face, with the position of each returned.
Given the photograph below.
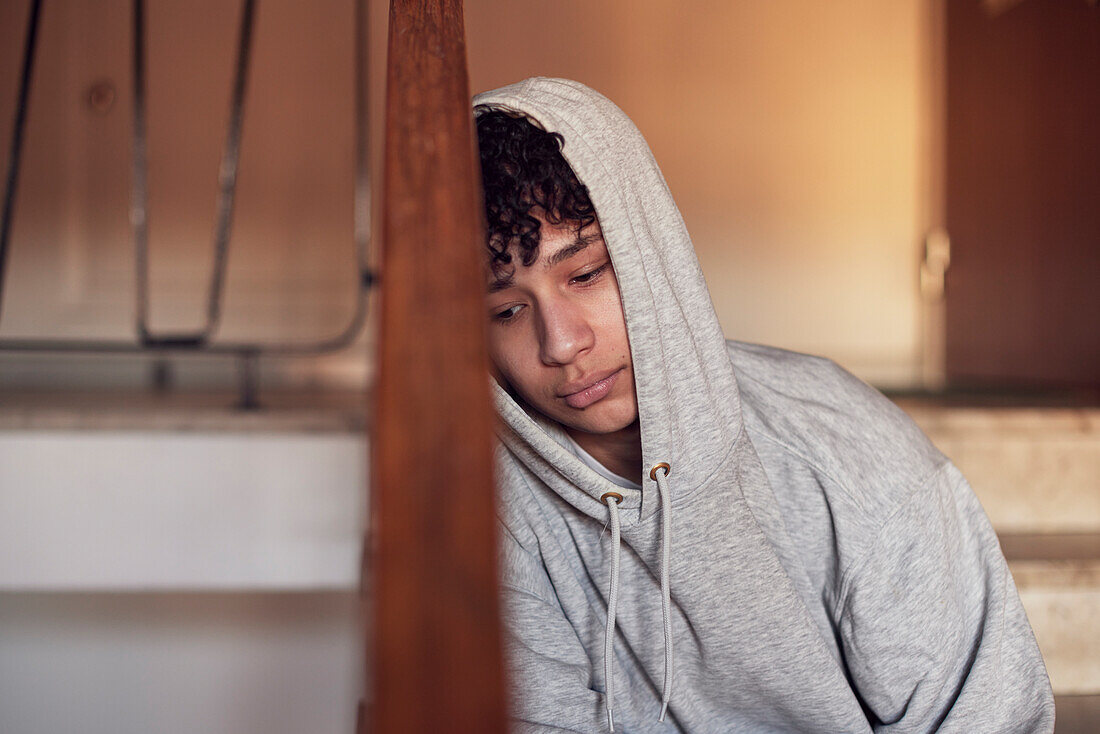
(557, 335)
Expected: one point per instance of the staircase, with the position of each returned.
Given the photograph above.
(183, 551)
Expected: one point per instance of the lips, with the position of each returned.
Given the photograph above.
(590, 390)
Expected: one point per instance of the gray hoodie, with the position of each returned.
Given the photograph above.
(826, 568)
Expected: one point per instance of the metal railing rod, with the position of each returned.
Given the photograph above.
(227, 173)
(227, 182)
(180, 346)
(30, 44)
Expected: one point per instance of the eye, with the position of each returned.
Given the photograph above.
(590, 276)
(507, 314)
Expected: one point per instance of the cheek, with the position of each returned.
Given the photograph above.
(511, 355)
(612, 323)
(499, 355)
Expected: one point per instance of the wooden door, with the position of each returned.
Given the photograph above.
(1023, 193)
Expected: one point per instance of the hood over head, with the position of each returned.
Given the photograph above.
(682, 372)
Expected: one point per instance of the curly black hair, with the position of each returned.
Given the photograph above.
(522, 168)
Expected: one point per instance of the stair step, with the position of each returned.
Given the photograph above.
(1051, 547)
(1062, 601)
(1076, 714)
(1036, 471)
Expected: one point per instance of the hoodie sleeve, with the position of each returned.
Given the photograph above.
(550, 677)
(932, 627)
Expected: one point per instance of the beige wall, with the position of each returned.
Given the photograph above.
(790, 133)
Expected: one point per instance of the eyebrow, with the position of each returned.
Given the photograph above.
(501, 284)
(565, 253)
(579, 245)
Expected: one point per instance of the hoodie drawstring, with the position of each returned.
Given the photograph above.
(666, 593)
(612, 500)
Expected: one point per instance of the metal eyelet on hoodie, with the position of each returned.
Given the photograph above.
(613, 593)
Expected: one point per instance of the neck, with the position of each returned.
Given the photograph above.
(620, 452)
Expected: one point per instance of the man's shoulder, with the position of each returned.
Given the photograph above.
(818, 413)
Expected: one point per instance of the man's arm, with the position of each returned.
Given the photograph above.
(932, 627)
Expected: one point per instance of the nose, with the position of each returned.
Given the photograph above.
(565, 332)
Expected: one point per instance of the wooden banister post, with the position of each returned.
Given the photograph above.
(434, 642)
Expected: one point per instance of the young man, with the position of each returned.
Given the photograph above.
(699, 535)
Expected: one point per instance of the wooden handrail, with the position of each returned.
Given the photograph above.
(435, 649)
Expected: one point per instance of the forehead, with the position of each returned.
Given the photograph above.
(557, 244)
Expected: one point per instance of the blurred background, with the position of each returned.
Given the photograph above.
(911, 188)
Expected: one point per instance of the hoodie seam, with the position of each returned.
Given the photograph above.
(528, 592)
(856, 568)
(508, 531)
(534, 558)
(680, 499)
(858, 501)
